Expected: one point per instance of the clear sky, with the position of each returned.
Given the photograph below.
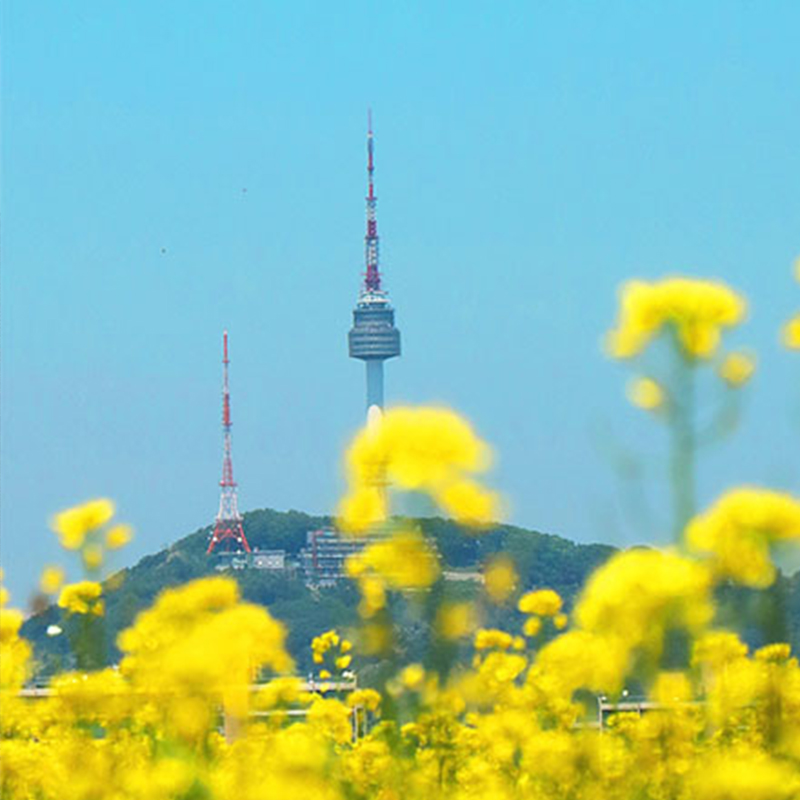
(530, 157)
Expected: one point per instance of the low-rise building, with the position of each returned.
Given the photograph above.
(269, 559)
(322, 559)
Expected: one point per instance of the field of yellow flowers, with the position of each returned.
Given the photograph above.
(203, 703)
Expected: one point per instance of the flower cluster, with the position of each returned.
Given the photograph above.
(694, 310)
(693, 313)
(85, 528)
(82, 598)
(429, 450)
(643, 692)
(332, 653)
(738, 531)
(183, 715)
(540, 605)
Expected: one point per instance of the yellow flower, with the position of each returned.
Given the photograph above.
(362, 508)
(279, 691)
(791, 333)
(331, 719)
(739, 529)
(404, 561)
(324, 642)
(82, 598)
(170, 646)
(645, 393)
(579, 659)
(737, 368)
(366, 698)
(455, 620)
(774, 653)
(670, 688)
(15, 652)
(412, 676)
(73, 524)
(490, 638)
(468, 502)
(636, 596)
(743, 773)
(343, 662)
(118, 536)
(51, 579)
(696, 310)
(373, 595)
(500, 579)
(429, 450)
(718, 648)
(532, 626)
(324, 674)
(543, 602)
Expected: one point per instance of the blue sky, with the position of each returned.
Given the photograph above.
(530, 157)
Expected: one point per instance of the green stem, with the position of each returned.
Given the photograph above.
(684, 445)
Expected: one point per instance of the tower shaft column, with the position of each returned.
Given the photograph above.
(373, 337)
(374, 383)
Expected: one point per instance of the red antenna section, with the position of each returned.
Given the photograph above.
(226, 395)
(372, 277)
(228, 532)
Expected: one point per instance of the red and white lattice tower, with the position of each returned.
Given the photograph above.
(228, 531)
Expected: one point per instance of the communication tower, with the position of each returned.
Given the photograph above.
(373, 337)
(228, 532)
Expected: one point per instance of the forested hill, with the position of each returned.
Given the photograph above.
(541, 560)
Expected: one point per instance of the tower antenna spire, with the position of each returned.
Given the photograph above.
(228, 531)
(373, 337)
(372, 276)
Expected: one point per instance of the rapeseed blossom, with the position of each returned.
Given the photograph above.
(500, 579)
(695, 310)
(791, 333)
(83, 597)
(689, 316)
(517, 720)
(455, 620)
(542, 602)
(739, 530)
(203, 705)
(51, 579)
(118, 536)
(73, 524)
(428, 450)
(646, 393)
(737, 368)
(638, 595)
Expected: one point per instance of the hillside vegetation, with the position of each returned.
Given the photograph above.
(541, 560)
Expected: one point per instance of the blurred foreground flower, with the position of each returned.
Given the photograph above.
(73, 524)
(429, 450)
(689, 315)
(736, 369)
(82, 598)
(738, 531)
(694, 310)
(51, 579)
(646, 393)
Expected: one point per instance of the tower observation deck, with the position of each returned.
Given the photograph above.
(373, 337)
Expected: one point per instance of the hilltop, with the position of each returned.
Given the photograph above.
(541, 560)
